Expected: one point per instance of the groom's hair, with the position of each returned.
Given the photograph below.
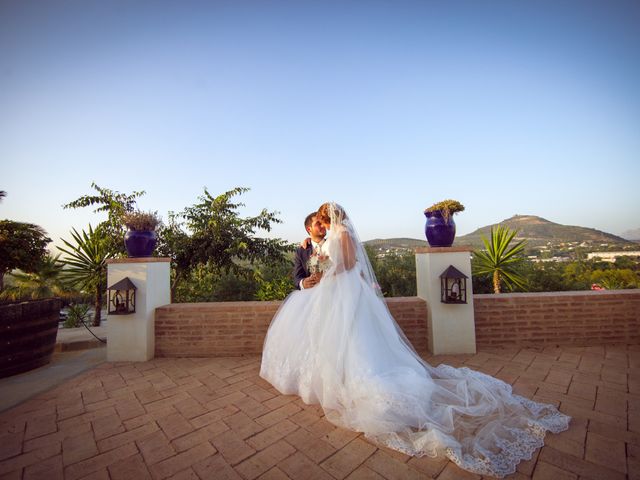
(309, 220)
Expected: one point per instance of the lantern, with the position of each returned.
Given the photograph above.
(453, 286)
(122, 297)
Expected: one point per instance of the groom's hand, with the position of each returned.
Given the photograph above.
(311, 281)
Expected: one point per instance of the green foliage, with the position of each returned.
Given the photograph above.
(577, 274)
(77, 315)
(87, 263)
(22, 246)
(274, 281)
(501, 260)
(395, 272)
(43, 282)
(614, 279)
(116, 205)
(213, 233)
(481, 283)
(206, 283)
(569, 276)
(545, 277)
(626, 262)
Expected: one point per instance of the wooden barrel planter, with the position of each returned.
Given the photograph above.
(28, 332)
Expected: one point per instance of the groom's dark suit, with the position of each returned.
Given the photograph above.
(300, 271)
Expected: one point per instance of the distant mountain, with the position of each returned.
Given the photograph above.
(633, 235)
(537, 231)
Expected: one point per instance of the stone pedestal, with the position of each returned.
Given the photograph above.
(451, 326)
(131, 338)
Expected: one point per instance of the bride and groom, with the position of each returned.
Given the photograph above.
(334, 342)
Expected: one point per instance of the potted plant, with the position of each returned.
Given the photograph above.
(440, 228)
(140, 240)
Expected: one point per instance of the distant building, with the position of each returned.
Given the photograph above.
(611, 256)
(552, 259)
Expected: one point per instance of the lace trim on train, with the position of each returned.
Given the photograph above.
(523, 442)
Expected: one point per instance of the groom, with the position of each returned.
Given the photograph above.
(301, 275)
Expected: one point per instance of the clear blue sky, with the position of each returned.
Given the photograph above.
(511, 107)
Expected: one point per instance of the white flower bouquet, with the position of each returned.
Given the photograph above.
(318, 263)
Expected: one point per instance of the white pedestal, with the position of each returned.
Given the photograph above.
(451, 326)
(131, 338)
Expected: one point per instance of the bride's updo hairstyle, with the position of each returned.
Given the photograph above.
(331, 213)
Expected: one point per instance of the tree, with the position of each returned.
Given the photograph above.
(501, 259)
(87, 264)
(626, 262)
(577, 275)
(43, 282)
(395, 272)
(274, 281)
(212, 233)
(614, 279)
(205, 283)
(116, 205)
(22, 245)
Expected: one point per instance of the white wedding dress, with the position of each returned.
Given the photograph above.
(337, 345)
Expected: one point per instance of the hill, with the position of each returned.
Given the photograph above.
(541, 232)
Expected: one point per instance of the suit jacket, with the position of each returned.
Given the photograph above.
(300, 271)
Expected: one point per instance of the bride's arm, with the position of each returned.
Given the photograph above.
(348, 250)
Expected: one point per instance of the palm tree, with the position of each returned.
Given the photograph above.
(43, 282)
(87, 264)
(500, 259)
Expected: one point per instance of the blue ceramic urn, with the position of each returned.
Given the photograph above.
(440, 233)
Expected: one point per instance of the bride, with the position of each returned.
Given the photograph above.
(337, 345)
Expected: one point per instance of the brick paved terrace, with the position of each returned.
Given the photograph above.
(214, 418)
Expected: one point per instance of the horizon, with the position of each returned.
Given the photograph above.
(385, 108)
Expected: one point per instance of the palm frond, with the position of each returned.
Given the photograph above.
(86, 260)
(501, 257)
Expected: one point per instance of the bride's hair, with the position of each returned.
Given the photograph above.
(331, 211)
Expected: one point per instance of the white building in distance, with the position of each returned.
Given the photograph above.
(611, 256)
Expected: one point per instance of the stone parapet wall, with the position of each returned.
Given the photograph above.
(516, 319)
(239, 328)
(558, 318)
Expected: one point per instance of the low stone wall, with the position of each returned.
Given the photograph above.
(558, 318)
(239, 328)
(516, 319)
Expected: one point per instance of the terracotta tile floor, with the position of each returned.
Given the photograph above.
(215, 418)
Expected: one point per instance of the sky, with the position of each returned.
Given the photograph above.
(386, 107)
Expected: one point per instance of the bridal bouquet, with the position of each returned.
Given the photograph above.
(318, 263)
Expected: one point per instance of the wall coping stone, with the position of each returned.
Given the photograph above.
(571, 293)
(139, 260)
(459, 248)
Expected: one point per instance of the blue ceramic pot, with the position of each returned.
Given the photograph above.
(439, 233)
(140, 243)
